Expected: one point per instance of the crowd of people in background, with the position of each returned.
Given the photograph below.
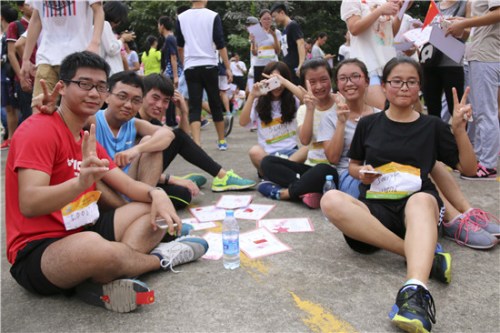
(316, 112)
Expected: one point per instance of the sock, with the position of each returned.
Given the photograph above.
(414, 281)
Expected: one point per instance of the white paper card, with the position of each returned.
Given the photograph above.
(253, 212)
(258, 32)
(418, 36)
(234, 201)
(214, 246)
(403, 9)
(208, 213)
(197, 225)
(301, 224)
(403, 46)
(260, 242)
(449, 45)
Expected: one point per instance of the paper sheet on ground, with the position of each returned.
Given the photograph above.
(300, 224)
(449, 45)
(258, 32)
(214, 246)
(260, 242)
(253, 212)
(208, 213)
(418, 36)
(233, 201)
(197, 225)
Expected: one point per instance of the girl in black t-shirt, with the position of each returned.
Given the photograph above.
(402, 217)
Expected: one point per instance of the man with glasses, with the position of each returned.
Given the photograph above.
(58, 241)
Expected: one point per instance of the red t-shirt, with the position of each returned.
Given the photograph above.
(13, 34)
(43, 143)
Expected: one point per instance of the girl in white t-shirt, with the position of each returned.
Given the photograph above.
(274, 112)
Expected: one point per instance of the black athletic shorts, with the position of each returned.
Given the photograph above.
(391, 213)
(27, 269)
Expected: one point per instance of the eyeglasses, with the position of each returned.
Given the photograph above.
(354, 78)
(397, 83)
(137, 101)
(88, 86)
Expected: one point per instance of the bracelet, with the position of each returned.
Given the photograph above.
(167, 177)
(154, 189)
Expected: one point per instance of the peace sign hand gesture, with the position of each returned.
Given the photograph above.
(309, 100)
(47, 102)
(92, 168)
(462, 112)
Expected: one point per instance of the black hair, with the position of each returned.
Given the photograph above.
(115, 12)
(160, 82)
(264, 11)
(322, 35)
(279, 7)
(78, 60)
(288, 104)
(130, 78)
(313, 64)
(166, 22)
(354, 61)
(182, 9)
(9, 14)
(398, 61)
(150, 40)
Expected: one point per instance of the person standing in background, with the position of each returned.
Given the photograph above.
(268, 49)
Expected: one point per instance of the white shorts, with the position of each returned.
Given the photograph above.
(223, 85)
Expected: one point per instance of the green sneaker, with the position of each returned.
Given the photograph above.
(231, 182)
(196, 178)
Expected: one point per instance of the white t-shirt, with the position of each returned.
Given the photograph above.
(265, 50)
(66, 26)
(374, 46)
(275, 136)
(111, 49)
(316, 153)
(317, 52)
(345, 51)
(236, 71)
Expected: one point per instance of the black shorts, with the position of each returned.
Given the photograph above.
(27, 269)
(391, 213)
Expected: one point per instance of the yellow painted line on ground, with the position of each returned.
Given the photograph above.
(320, 320)
(498, 179)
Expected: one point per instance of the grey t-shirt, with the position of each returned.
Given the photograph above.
(485, 45)
(317, 52)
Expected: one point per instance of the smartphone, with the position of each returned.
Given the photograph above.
(162, 224)
(270, 84)
(371, 172)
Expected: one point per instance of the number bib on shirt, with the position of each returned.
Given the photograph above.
(266, 52)
(81, 212)
(396, 182)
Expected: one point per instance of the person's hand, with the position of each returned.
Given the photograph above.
(178, 99)
(462, 112)
(309, 100)
(389, 8)
(176, 82)
(92, 168)
(125, 157)
(229, 75)
(342, 109)
(367, 178)
(93, 47)
(410, 51)
(457, 27)
(162, 207)
(27, 72)
(256, 89)
(189, 184)
(127, 36)
(47, 101)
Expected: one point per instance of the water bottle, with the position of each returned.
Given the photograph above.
(230, 241)
(329, 184)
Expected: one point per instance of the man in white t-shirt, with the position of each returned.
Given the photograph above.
(239, 70)
(67, 28)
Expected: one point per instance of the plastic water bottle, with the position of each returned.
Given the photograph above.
(230, 241)
(329, 184)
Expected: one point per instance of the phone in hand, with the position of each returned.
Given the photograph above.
(162, 224)
(371, 172)
(270, 84)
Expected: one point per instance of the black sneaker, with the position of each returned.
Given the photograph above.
(441, 265)
(414, 310)
(228, 123)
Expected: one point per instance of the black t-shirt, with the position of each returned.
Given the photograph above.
(379, 140)
(169, 48)
(292, 33)
(153, 121)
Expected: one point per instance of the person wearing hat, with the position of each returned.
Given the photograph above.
(267, 50)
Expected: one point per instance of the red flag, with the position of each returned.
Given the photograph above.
(431, 13)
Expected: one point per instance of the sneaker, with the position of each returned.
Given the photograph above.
(222, 145)
(269, 190)
(483, 173)
(185, 230)
(180, 251)
(196, 178)
(123, 295)
(465, 231)
(441, 266)
(204, 123)
(228, 124)
(5, 145)
(231, 182)
(311, 200)
(414, 310)
(484, 220)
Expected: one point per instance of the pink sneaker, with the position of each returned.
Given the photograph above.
(311, 200)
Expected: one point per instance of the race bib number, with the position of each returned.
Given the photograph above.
(266, 52)
(396, 182)
(81, 212)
